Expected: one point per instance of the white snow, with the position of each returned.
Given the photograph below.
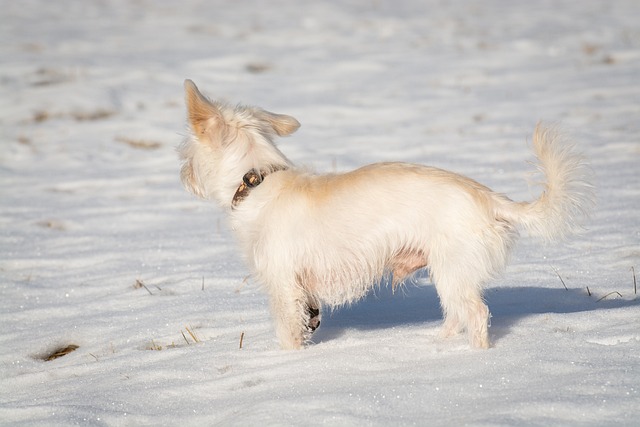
(91, 110)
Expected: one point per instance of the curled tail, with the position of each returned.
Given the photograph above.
(568, 194)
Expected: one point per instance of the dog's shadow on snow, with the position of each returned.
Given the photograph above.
(419, 304)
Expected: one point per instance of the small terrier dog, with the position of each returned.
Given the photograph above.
(315, 240)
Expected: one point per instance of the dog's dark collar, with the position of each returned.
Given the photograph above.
(250, 180)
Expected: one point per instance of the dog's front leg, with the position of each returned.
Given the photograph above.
(295, 317)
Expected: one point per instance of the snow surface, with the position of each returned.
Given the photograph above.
(101, 247)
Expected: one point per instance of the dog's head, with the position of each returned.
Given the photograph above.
(226, 142)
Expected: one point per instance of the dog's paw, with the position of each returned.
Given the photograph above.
(314, 318)
(451, 327)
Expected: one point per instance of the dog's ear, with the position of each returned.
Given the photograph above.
(282, 124)
(201, 113)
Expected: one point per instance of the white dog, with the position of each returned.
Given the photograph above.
(316, 240)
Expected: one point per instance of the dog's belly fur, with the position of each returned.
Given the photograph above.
(404, 263)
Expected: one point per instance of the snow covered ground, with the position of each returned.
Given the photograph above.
(101, 247)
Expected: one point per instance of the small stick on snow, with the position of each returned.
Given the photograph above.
(244, 282)
(185, 338)
(635, 287)
(588, 291)
(241, 339)
(193, 335)
(60, 352)
(610, 293)
(558, 274)
(140, 284)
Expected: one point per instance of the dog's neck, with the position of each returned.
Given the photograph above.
(250, 180)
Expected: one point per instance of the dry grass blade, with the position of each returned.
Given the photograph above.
(52, 224)
(140, 284)
(100, 114)
(610, 293)
(140, 144)
(244, 282)
(41, 116)
(241, 340)
(559, 277)
(193, 335)
(59, 352)
(635, 286)
(257, 67)
(185, 338)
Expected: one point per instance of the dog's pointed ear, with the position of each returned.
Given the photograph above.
(282, 124)
(201, 112)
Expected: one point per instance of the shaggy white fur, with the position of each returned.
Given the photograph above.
(327, 239)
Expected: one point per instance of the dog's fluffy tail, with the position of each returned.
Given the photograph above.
(568, 194)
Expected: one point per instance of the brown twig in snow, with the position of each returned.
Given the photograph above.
(610, 293)
(558, 274)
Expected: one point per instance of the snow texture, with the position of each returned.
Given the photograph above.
(101, 247)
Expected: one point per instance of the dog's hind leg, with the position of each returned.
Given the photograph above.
(467, 311)
(462, 306)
